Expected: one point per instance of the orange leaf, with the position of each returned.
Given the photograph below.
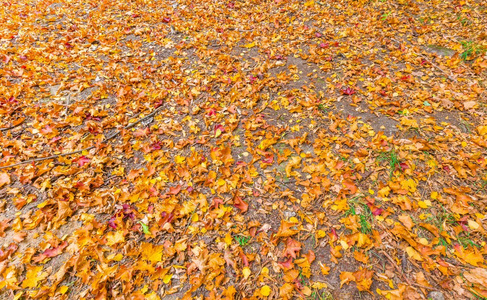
(292, 247)
(240, 204)
(345, 278)
(407, 221)
(4, 179)
(361, 257)
(286, 229)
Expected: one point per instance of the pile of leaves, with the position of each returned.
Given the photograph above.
(243, 149)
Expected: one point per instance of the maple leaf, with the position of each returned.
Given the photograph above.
(346, 277)
(363, 278)
(350, 186)
(286, 291)
(83, 160)
(32, 277)
(286, 229)
(348, 91)
(292, 247)
(114, 238)
(293, 163)
(142, 132)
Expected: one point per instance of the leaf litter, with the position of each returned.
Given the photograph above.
(243, 149)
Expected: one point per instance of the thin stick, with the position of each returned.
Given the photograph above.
(8, 128)
(85, 149)
(443, 71)
(396, 267)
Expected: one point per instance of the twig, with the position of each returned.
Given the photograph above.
(396, 267)
(443, 71)
(46, 158)
(8, 128)
(85, 149)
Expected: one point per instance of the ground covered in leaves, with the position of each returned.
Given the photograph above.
(243, 149)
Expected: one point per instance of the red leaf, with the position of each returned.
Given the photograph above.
(269, 159)
(377, 211)
(51, 252)
(333, 235)
(83, 160)
(348, 91)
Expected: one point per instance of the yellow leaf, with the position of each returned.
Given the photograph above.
(118, 257)
(413, 254)
(62, 290)
(473, 225)
(114, 238)
(409, 122)
(324, 269)
(434, 195)
(167, 278)
(265, 290)
(319, 285)
(320, 233)
(285, 291)
(306, 291)
(151, 253)
(384, 192)
(250, 45)
(31, 278)
(228, 239)
(246, 272)
(179, 159)
(482, 130)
